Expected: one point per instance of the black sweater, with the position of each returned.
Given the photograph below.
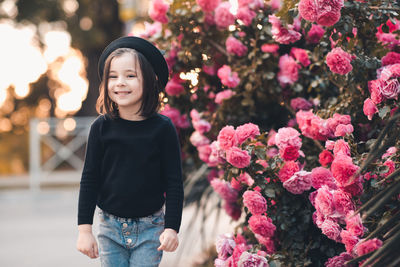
(129, 165)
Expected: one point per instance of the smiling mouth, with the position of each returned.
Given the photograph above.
(123, 92)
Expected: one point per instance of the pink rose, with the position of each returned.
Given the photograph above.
(202, 126)
(223, 17)
(174, 86)
(349, 240)
(300, 103)
(225, 245)
(204, 152)
(374, 89)
(341, 147)
(287, 171)
(216, 156)
(289, 70)
(354, 224)
(180, 121)
(343, 129)
(262, 225)
(197, 139)
(158, 11)
(390, 89)
(315, 34)
(246, 15)
(325, 158)
(208, 5)
(250, 260)
(369, 108)
(270, 48)
(325, 13)
(228, 78)
(227, 137)
(236, 47)
(343, 169)
(255, 202)
(300, 55)
(224, 189)
(245, 131)
(331, 229)
(281, 34)
(321, 176)
(389, 152)
(324, 201)
(368, 246)
(233, 210)
(237, 157)
(221, 96)
(339, 61)
(338, 260)
(342, 203)
(298, 183)
(391, 58)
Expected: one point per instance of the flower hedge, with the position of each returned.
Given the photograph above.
(282, 101)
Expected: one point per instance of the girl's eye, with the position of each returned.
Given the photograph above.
(131, 76)
(112, 77)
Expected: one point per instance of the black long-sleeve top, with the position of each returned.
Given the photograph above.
(129, 165)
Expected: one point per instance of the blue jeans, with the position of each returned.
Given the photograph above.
(127, 242)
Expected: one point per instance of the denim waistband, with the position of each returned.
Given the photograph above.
(120, 219)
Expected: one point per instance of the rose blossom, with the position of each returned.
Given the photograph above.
(255, 202)
(342, 204)
(374, 89)
(315, 34)
(262, 225)
(325, 158)
(343, 169)
(298, 183)
(288, 141)
(369, 108)
(197, 139)
(204, 153)
(390, 89)
(180, 121)
(224, 189)
(300, 103)
(289, 70)
(341, 147)
(354, 224)
(281, 34)
(245, 131)
(216, 155)
(390, 58)
(237, 157)
(287, 171)
(321, 176)
(251, 260)
(208, 5)
(224, 245)
(331, 229)
(223, 17)
(174, 86)
(246, 15)
(339, 61)
(202, 126)
(325, 13)
(234, 46)
(338, 260)
(228, 78)
(233, 210)
(343, 129)
(368, 246)
(158, 11)
(267, 242)
(300, 55)
(237, 252)
(221, 96)
(349, 240)
(269, 48)
(390, 151)
(324, 201)
(227, 137)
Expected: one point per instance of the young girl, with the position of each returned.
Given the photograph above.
(132, 164)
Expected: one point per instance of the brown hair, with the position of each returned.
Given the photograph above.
(150, 83)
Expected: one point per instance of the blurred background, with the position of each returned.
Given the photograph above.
(48, 90)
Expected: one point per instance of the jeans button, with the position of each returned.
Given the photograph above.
(127, 233)
(125, 225)
(129, 240)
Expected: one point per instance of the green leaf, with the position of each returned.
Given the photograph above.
(384, 111)
(269, 192)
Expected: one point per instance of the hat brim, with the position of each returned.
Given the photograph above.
(149, 51)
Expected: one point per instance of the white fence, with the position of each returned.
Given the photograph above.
(54, 142)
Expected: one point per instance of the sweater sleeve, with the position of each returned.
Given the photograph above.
(90, 180)
(171, 168)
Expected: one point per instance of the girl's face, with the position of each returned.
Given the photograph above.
(125, 82)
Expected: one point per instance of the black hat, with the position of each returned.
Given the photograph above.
(149, 51)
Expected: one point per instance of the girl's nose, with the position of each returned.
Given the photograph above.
(121, 81)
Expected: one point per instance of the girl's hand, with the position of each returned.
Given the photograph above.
(169, 240)
(87, 243)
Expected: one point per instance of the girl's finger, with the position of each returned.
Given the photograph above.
(96, 250)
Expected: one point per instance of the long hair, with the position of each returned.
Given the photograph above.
(150, 84)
